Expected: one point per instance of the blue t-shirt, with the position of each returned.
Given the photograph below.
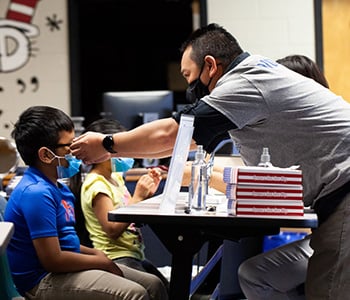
(38, 208)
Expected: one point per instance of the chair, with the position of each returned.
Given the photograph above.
(8, 290)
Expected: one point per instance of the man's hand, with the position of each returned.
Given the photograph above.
(88, 147)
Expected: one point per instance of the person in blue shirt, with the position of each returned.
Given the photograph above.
(45, 255)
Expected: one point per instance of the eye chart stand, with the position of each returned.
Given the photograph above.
(177, 164)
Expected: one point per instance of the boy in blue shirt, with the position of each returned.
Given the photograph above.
(45, 255)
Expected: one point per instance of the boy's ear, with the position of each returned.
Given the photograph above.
(44, 155)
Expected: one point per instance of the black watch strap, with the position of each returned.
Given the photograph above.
(108, 143)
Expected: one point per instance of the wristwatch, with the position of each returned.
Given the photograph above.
(108, 143)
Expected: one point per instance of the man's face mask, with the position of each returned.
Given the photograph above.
(197, 89)
(121, 164)
(71, 170)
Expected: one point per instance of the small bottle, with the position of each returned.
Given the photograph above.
(199, 181)
(265, 159)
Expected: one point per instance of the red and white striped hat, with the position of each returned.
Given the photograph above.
(20, 14)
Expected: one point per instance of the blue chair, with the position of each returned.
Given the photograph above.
(7, 288)
(3, 203)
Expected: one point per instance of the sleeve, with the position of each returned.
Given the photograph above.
(40, 211)
(210, 126)
(92, 186)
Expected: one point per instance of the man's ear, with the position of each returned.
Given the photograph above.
(44, 155)
(211, 62)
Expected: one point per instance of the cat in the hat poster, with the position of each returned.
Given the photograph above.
(34, 58)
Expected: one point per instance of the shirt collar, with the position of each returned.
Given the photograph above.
(236, 61)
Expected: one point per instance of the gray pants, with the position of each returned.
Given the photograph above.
(324, 262)
(278, 274)
(97, 284)
(328, 276)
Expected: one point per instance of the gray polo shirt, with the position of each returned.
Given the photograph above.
(300, 121)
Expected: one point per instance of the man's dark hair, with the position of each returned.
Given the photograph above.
(212, 40)
(39, 126)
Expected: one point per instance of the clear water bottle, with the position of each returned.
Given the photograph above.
(199, 182)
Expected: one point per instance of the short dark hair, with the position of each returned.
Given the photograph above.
(304, 66)
(105, 126)
(39, 126)
(212, 40)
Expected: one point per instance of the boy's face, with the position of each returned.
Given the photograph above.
(51, 158)
(62, 147)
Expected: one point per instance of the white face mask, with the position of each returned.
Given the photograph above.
(73, 165)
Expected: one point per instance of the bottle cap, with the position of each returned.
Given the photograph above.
(265, 156)
(199, 153)
(265, 159)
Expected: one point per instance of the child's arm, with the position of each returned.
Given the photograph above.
(55, 260)
(101, 205)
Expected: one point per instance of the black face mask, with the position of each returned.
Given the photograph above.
(197, 89)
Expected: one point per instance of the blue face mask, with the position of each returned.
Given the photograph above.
(73, 166)
(72, 169)
(121, 164)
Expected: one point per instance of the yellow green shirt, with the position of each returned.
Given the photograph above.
(129, 243)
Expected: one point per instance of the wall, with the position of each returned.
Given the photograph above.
(274, 28)
(34, 62)
(336, 45)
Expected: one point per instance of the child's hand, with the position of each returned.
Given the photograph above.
(147, 185)
(186, 178)
(156, 175)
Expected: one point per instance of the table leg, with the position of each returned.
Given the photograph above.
(181, 274)
(182, 243)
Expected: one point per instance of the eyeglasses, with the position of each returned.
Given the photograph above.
(62, 145)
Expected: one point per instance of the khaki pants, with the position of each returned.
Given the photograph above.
(97, 284)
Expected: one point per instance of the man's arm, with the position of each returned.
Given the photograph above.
(154, 139)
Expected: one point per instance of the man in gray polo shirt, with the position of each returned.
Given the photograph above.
(259, 103)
